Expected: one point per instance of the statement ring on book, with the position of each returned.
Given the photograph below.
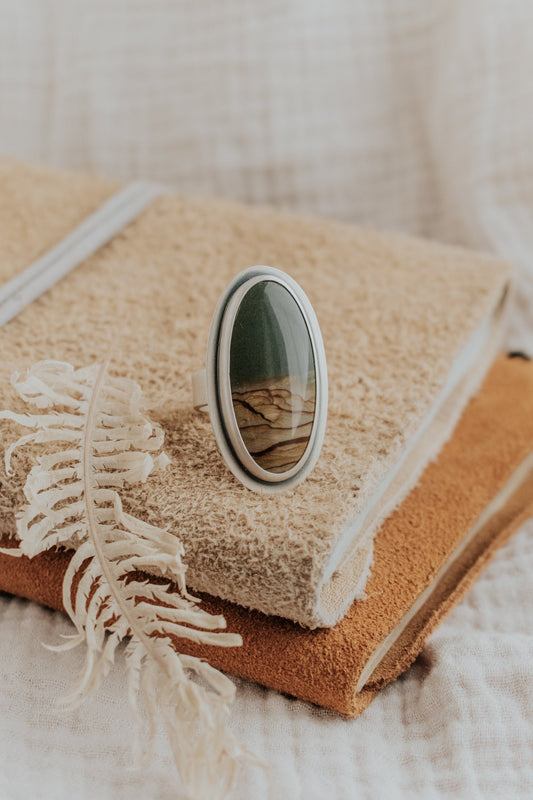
(265, 383)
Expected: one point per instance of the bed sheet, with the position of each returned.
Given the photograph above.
(458, 724)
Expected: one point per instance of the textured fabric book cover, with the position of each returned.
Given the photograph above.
(428, 553)
(410, 328)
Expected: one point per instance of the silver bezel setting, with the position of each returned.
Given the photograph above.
(218, 385)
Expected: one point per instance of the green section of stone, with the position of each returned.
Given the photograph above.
(270, 338)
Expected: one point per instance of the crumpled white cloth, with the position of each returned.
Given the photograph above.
(458, 724)
(410, 115)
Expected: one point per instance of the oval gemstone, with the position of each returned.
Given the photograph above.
(272, 376)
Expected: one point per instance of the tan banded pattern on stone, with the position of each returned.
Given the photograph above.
(275, 425)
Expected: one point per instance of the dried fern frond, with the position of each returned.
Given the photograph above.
(98, 440)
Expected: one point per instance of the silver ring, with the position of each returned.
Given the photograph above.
(265, 383)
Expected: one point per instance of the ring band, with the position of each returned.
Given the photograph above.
(199, 391)
(265, 381)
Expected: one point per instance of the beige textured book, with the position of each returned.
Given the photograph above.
(427, 554)
(409, 327)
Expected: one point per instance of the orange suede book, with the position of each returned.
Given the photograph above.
(427, 554)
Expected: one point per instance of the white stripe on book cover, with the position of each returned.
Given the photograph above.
(91, 234)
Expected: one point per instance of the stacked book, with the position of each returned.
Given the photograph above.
(426, 466)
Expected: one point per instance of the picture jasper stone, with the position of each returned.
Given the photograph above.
(272, 376)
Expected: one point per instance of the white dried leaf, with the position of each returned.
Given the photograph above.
(72, 501)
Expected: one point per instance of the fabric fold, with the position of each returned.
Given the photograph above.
(410, 328)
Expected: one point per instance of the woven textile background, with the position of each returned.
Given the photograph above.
(402, 114)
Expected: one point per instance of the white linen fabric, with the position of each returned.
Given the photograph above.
(458, 724)
(408, 115)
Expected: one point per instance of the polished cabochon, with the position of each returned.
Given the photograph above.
(266, 380)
